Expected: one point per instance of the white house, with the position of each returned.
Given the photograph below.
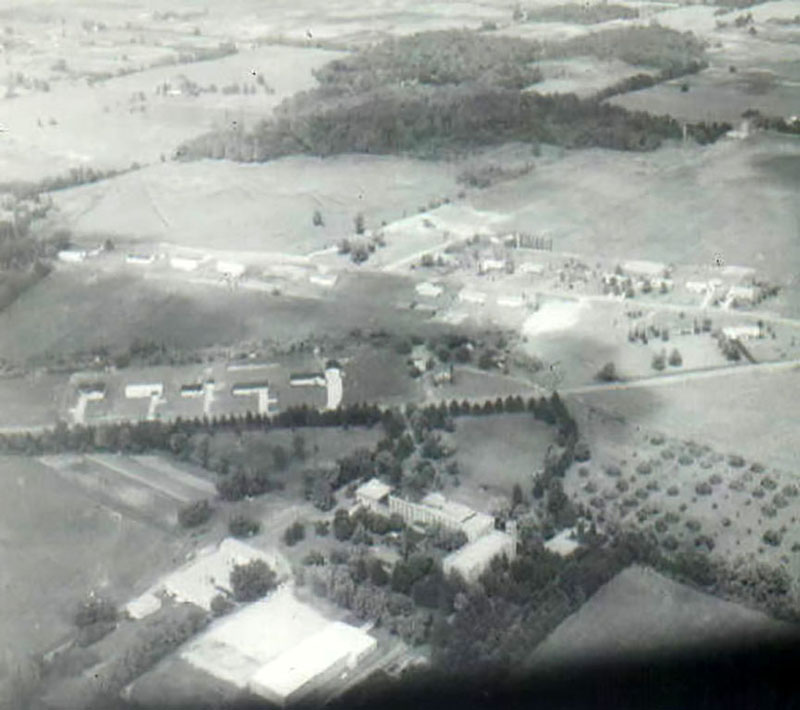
(140, 259)
(486, 265)
(374, 495)
(474, 558)
(468, 296)
(334, 387)
(530, 268)
(186, 263)
(742, 332)
(307, 379)
(73, 256)
(742, 294)
(563, 544)
(428, 289)
(142, 391)
(325, 280)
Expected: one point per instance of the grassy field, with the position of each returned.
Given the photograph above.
(76, 310)
(735, 200)
(494, 453)
(56, 544)
(640, 611)
(257, 207)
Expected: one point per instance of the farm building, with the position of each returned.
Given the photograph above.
(742, 332)
(140, 259)
(468, 296)
(742, 294)
(231, 269)
(73, 256)
(530, 268)
(92, 390)
(435, 509)
(141, 391)
(319, 658)
(186, 263)
(335, 387)
(698, 287)
(307, 379)
(563, 544)
(326, 280)
(487, 265)
(245, 389)
(472, 559)
(192, 390)
(428, 289)
(647, 269)
(374, 495)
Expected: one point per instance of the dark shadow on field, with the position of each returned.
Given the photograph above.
(781, 168)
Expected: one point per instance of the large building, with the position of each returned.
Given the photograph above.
(433, 509)
(474, 558)
(141, 391)
(308, 665)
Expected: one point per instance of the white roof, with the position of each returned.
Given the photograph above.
(426, 288)
(479, 552)
(476, 525)
(743, 291)
(563, 544)
(472, 296)
(644, 268)
(143, 606)
(741, 331)
(529, 268)
(510, 301)
(323, 279)
(373, 489)
(310, 658)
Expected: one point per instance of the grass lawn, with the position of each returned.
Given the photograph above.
(56, 544)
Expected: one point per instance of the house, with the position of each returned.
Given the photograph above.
(142, 391)
(474, 558)
(374, 495)
(742, 295)
(647, 269)
(487, 265)
(325, 280)
(698, 287)
(510, 301)
(192, 390)
(428, 289)
(530, 268)
(468, 296)
(314, 661)
(92, 391)
(742, 332)
(72, 256)
(563, 544)
(230, 269)
(186, 263)
(140, 259)
(307, 379)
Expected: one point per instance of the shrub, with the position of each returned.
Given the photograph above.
(703, 489)
(221, 605)
(769, 483)
(613, 471)
(790, 491)
(607, 373)
(252, 580)
(772, 537)
(195, 514)
(667, 454)
(590, 487)
(769, 511)
(322, 528)
(757, 467)
(582, 452)
(644, 468)
(242, 526)
(693, 525)
(726, 522)
(314, 558)
(675, 359)
(715, 479)
(670, 543)
(94, 610)
(735, 461)
(583, 472)
(685, 460)
(657, 440)
(661, 526)
(672, 491)
(294, 533)
(622, 486)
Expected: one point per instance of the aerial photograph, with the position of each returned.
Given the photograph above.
(399, 353)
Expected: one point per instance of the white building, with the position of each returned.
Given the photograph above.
(435, 509)
(334, 387)
(73, 256)
(186, 263)
(374, 495)
(307, 379)
(650, 269)
(742, 294)
(319, 658)
(92, 391)
(563, 544)
(141, 391)
(325, 280)
(742, 332)
(140, 259)
(428, 289)
(510, 301)
(193, 390)
(530, 268)
(487, 265)
(473, 559)
(699, 287)
(468, 296)
(231, 269)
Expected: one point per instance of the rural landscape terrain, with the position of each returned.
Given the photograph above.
(347, 347)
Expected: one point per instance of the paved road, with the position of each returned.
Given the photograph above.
(673, 378)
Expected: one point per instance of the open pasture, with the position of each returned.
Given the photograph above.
(734, 200)
(641, 611)
(495, 453)
(257, 207)
(56, 545)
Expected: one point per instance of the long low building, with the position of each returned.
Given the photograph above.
(473, 559)
(308, 665)
(141, 391)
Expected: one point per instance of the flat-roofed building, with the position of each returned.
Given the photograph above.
(73, 256)
(307, 379)
(742, 332)
(428, 289)
(374, 494)
(487, 265)
(140, 259)
(312, 662)
(246, 389)
(231, 269)
(186, 263)
(92, 391)
(193, 390)
(650, 269)
(563, 544)
(144, 390)
(742, 294)
(510, 301)
(468, 296)
(324, 280)
(435, 509)
(474, 558)
(334, 387)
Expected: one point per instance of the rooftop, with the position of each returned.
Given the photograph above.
(374, 489)
(563, 544)
(479, 551)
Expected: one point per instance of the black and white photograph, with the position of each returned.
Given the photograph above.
(399, 354)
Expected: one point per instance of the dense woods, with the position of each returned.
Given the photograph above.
(436, 92)
(581, 14)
